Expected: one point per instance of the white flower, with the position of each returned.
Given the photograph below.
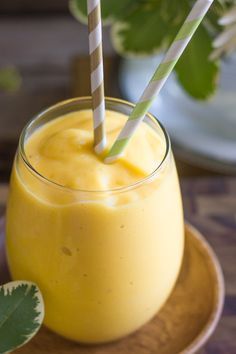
(225, 43)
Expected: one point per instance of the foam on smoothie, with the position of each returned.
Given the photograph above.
(62, 151)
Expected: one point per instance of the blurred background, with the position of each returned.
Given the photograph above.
(44, 59)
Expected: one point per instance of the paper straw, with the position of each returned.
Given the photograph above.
(159, 78)
(96, 69)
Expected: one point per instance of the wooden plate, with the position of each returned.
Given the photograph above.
(182, 326)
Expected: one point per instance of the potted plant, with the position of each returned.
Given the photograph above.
(197, 101)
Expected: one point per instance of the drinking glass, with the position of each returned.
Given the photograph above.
(105, 260)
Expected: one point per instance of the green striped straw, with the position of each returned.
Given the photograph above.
(159, 78)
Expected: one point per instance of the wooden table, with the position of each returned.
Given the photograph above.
(210, 205)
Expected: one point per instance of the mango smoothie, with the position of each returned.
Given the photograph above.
(103, 242)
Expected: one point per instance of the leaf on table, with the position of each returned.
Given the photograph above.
(10, 79)
(21, 314)
(111, 9)
(197, 74)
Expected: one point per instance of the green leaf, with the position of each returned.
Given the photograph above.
(196, 73)
(10, 79)
(21, 314)
(149, 27)
(111, 9)
(141, 32)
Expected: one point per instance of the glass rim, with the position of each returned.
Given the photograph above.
(111, 100)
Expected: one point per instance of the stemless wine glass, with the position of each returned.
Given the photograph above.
(105, 261)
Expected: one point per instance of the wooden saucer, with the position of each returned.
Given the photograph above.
(182, 326)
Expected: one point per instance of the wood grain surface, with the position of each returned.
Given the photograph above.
(210, 205)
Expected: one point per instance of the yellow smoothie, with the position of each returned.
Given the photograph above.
(103, 242)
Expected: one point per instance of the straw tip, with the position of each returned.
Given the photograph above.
(110, 159)
(99, 148)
